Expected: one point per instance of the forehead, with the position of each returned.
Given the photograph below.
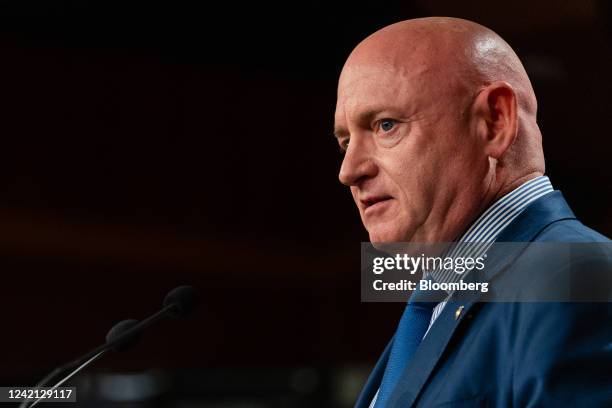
(367, 87)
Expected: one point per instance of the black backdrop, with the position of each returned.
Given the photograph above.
(149, 145)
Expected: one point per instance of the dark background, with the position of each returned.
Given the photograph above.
(145, 146)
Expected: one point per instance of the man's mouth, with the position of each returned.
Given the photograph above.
(370, 204)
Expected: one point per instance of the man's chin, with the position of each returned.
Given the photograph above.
(398, 242)
(387, 236)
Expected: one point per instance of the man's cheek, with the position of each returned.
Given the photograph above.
(354, 193)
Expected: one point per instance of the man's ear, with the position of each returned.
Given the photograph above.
(495, 110)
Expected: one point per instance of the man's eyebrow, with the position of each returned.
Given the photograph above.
(363, 118)
(340, 131)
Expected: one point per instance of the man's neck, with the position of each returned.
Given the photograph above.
(513, 185)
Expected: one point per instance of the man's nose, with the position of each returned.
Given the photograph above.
(357, 165)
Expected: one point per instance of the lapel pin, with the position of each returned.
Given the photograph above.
(458, 312)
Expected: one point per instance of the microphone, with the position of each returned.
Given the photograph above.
(117, 332)
(116, 335)
(179, 302)
(182, 301)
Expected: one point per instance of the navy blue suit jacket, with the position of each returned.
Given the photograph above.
(545, 354)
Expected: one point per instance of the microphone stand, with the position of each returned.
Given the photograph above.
(96, 353)
(179, 302)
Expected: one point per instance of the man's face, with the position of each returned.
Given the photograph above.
(409, 154)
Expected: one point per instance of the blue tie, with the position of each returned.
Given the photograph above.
(410, 331)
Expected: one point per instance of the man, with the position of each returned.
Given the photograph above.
(437, 119)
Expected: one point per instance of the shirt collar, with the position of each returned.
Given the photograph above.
(487, 227)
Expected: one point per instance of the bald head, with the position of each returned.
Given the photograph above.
(447, 47)
(438, 119)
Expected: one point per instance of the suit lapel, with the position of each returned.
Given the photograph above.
(537, 216)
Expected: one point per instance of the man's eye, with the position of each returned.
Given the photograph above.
(386, 124)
